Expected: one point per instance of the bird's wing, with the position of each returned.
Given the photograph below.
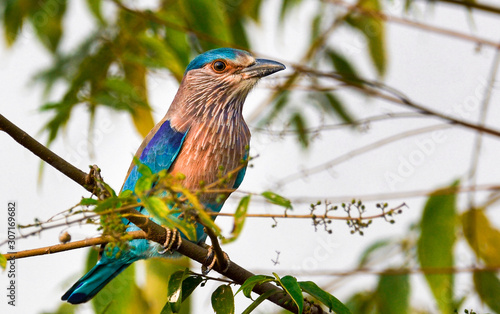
(158, 151)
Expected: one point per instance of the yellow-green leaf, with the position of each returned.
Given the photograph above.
(13, 17)
(483, 238)
(46, 17)
(277, 199)
(200, 210)
(208, 19)
(373, 28)
(488, 288)
(393, 294)
(239, 219)
(435, 245)
(157, 207)
(3, 261)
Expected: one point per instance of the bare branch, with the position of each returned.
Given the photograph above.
(357, 152)
(472, 5)
(419, 25)
(478, 141)
(69, 246)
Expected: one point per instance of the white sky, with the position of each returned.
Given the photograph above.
(442, 73)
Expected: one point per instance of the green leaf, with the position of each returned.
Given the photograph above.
(46, 17)
(488, 288)
(167, 309)
(157, 207)
(174, 292)
(297, 121)
(324, 297)
(143, 185)
(157, 287)
(435, 245)
(189, 285)
(239, 218)
(223, 300)
(142, 168)
(95, 8)
(259, 300)
(251, 282)
(64, 308)
(208, 19)
(393, 294)
(3, 261)
(372, 249)
(280, 99)
(292, 288)
(373, 28)
(362, 302)
(344, 68)
(88, 201)
(161, 55)
(13, 17)
(277, 199)
(482, 237)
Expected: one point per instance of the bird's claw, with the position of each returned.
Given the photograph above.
(211, 260)
(173, 240)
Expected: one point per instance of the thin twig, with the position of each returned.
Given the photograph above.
(393, 195)
(419, 25)
(356, 152)
(478, 141)
(372, 88)
(471, 5)
(70, 246)
(388, 272)
(329, 127)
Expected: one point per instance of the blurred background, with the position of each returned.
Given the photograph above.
(370, 108)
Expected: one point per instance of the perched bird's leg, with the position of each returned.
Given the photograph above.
(220, 257)
(95, 180)
(173, 240)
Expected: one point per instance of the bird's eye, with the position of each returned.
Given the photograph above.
(219, 66)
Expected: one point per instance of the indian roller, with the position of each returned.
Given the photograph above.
(202, 132)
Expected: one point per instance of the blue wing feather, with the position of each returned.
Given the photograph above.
(159, 153)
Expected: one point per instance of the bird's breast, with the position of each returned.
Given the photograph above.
(212, 150)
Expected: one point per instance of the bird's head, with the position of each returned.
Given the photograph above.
(220, 79)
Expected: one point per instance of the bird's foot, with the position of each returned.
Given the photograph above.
(212, 259)
(173, 241)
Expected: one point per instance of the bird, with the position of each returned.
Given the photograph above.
(202, 133)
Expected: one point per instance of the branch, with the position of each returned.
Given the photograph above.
(372, 89)
(69, 246)
(153, 231)
(364, 149)
(472, 5)
(419, 25)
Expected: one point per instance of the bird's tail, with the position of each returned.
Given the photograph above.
(92, 282)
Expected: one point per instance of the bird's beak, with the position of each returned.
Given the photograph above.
(261, 68)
